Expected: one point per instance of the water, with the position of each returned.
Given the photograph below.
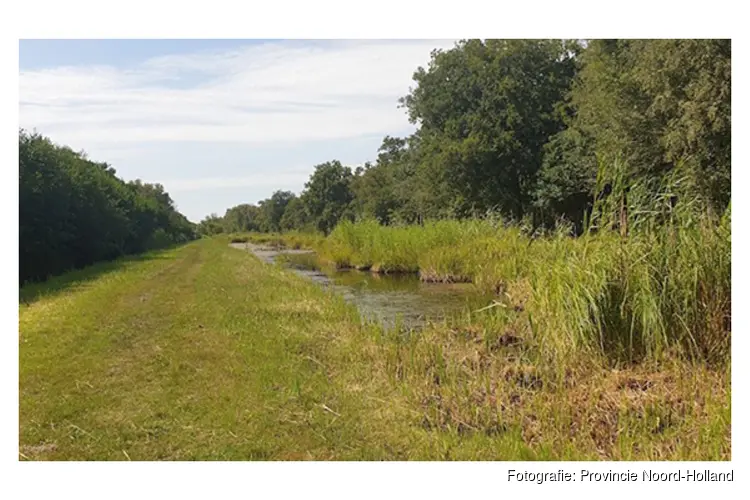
(387, 299)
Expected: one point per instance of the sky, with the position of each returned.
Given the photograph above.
(219, 122)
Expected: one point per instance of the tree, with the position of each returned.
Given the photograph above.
(687, 86)
(211, 225)
(272, 210)
(387, 190)
(328, 194)
(295, 216)
(485, 109)
(654, 105)
(242, 218)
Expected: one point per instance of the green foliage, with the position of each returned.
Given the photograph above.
(328, 195)
(211, 225)
(656, 105)
(74, 212)
(565, 185)
(272, 210)
(485, 110)
(236, 220)
(687, 84)
(386, 190)
(295, 216)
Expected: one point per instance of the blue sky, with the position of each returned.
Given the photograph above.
(219, 122)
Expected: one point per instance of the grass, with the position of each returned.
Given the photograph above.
(203, 352)
(197, 353)
(652, 294)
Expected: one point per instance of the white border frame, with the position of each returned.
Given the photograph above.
(339, 19)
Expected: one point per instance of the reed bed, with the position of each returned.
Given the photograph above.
(657, 290)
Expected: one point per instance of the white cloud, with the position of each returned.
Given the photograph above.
(261, 94)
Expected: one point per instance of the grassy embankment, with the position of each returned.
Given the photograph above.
(202, 352)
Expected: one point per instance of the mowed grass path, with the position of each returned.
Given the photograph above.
(200, 352)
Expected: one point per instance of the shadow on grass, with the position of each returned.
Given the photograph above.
(31, 292)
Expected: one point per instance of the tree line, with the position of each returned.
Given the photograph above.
(531, 129)
(74, 211)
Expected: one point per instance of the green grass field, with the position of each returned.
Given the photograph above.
(204, 353)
